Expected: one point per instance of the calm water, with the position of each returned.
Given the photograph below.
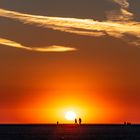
(69, 132)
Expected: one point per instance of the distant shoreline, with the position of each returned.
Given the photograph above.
(64, 124)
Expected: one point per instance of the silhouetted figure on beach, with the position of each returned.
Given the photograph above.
(125, 123)
(80, 121)
(75, 121)
(57, 123)
(128, 123)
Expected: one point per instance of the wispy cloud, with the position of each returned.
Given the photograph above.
(119, 29)
(53, 48)
(123, 13)
(123, 3)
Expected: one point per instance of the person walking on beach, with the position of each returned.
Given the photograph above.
(80, 121)
(75, 121)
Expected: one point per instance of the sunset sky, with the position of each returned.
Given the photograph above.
(69, 55)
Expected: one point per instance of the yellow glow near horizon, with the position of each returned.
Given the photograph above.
(70, 115)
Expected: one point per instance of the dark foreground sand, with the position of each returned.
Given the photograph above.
(69, 132)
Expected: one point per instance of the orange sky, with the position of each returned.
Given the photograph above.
(88, 66)
(36, 94)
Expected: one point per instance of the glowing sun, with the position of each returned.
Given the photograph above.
(70, 115)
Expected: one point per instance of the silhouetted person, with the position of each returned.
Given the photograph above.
(75, 121)
(57, 123)
(128, 123)
(80, 121)
(125, 123)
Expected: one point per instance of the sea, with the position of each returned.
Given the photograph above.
(69, 132)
